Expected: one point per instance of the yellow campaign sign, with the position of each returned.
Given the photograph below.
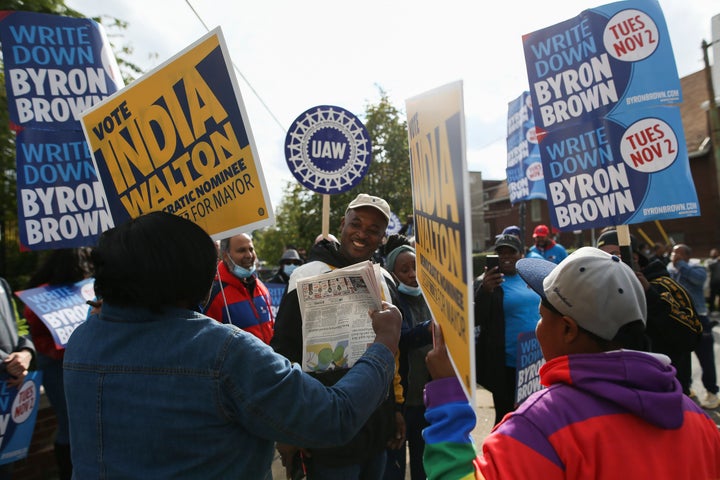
(178, 140)
(441, 204)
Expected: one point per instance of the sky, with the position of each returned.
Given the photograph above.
(290, 56)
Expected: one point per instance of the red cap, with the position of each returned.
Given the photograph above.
(541, 231)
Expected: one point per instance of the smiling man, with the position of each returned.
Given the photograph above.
(361, 232)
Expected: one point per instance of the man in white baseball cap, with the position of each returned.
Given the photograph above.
(603, 398)
(361, 232)
(365, 200)
(596, 292)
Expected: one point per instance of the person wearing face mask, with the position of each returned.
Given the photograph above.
(289, 261)
(237, 295)
(504, 308)
(415, 343)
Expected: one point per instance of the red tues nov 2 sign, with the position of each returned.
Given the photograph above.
(178, 140)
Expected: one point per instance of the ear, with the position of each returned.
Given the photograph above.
(225, 257)
(570, 329)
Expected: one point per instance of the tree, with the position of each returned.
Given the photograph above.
(14, 264)
(299, 215)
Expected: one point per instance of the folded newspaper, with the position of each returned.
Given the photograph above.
(336, 326)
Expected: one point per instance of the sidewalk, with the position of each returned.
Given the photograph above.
(697, 386)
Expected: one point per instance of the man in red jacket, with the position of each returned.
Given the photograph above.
(237, 295)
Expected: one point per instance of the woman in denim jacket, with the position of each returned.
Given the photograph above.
(156, 390)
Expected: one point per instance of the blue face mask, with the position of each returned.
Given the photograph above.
(289, 268)
(241, 272)
(408, 290)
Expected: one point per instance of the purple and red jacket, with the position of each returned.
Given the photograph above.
(619, 414)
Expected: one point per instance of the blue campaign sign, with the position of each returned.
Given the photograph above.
(631, 167)
(616, 56)
(60, 307)
(61, 201)
(524, 167)
(328, 149)
(55, 68)
(529, 360)
(277, 291)
(18, 413)
(603, 85)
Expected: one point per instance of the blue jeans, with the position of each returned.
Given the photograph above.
(706, 357)
(370, 470)
(55, 390)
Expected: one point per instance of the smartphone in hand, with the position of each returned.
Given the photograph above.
(492, 261)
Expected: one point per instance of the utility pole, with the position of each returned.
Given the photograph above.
(714, 117)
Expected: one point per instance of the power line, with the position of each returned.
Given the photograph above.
(257, 95)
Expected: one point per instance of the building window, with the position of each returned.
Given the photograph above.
(535, 210)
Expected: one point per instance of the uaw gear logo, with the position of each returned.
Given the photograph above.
(328, 149)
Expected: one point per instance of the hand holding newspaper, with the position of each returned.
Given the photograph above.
(336, 326)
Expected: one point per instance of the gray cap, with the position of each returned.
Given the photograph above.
(592, 287)
(509, 241)
(290, 254)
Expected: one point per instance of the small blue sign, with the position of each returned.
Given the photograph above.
(524, 170)
(277, 292)
(60, 307)
(529, 360)
(18, 411)
(328, 149)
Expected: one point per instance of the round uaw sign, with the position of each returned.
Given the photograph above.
(328, 149)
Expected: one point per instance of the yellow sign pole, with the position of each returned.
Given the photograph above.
(644, 235)
(662, 232)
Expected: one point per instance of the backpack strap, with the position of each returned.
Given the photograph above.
(216, 288)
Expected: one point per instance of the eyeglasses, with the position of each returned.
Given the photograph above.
(292, 262)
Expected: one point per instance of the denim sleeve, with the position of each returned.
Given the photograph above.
(693, 274)
(274, 399)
